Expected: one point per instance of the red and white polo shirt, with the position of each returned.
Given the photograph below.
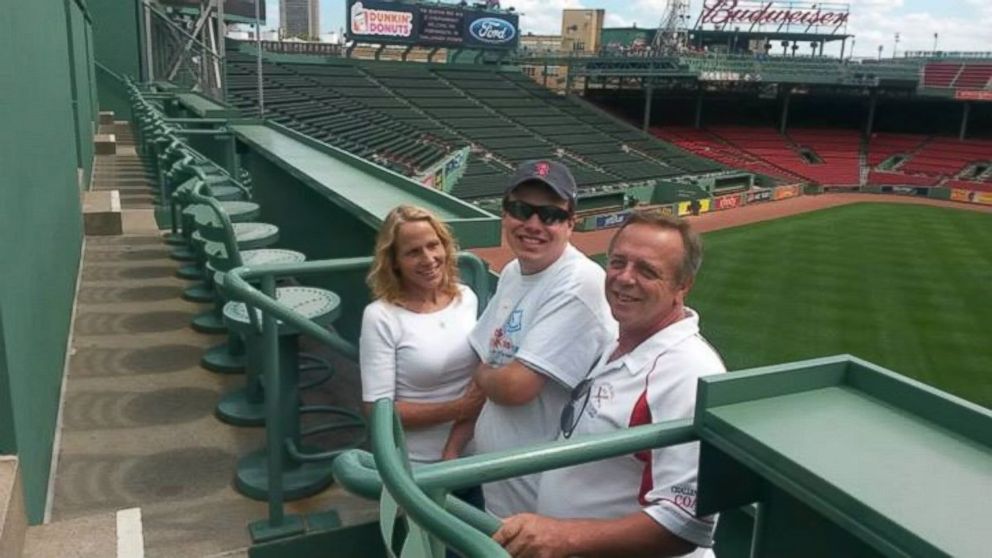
(655, 382)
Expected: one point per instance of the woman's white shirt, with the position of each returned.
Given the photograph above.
(419, 358)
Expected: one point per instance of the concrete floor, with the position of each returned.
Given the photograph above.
(137, 426)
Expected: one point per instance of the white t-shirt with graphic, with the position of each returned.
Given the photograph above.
(420, 358)
(557, 323)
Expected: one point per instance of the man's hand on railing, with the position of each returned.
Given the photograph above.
(529, 535)
(636, 535)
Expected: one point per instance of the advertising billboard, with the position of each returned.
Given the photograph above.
(240, 8)
(972, 95)
(441, 25)
(778, 16)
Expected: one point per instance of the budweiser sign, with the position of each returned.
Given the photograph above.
(721, 13)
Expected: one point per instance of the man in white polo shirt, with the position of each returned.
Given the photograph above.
(543, 330)
(642, 504)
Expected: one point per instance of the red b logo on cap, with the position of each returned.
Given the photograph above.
(542, 169)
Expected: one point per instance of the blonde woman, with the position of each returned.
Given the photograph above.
(414, 344)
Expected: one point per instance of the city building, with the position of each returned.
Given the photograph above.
(581, 30)
(299, 18)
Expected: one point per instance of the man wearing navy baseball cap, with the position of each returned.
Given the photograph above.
(542, 331)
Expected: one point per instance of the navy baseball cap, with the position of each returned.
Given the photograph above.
(554, 174)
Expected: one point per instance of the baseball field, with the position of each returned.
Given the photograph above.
(904, 286)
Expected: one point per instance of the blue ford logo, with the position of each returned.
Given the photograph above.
(492, 30)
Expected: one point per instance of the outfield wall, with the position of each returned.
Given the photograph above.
(971, 196)
(687, 207)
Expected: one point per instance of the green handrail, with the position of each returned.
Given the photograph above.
(230, 242)
(353, 470)
(356, 471)
(359, 473)
(390, 456)
(237, 287)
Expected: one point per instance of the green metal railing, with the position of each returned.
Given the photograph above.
(426, 511)
(236, 286)
(165, 140)
(445, 516)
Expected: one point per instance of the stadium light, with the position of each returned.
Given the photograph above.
(935, 43)
(895, 46)
(880, 47)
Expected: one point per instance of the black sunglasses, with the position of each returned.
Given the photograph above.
(569, 418)
(548, 214)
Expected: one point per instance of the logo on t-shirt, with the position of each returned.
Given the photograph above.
(501, 348)
(515, 321)
(600, 395)
(502, 345)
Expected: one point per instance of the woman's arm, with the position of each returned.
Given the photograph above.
(421, 415)
(461, 434)
(463, 430)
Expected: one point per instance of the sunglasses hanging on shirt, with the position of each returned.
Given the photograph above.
(572, 412)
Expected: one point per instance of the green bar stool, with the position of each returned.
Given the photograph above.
(248, 236)
(223, 251)
(246, 406)
(302, 468)
(229, 357)
(237, 212)
(223, 191)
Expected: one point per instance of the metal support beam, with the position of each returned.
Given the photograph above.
(698, 120)
(149, 50)
(648, 98)
(221, 51)
(872, 104)
(258, 62)
(964, 120)
(784, 120)
(197, 29)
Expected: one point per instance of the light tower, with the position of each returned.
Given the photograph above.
(670, 36)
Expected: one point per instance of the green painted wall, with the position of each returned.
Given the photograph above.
(82, 103)
(40, 231)
(117, 46)
(7, 437)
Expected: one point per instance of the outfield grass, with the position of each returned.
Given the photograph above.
(906, 287)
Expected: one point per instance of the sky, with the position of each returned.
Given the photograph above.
(961, 25)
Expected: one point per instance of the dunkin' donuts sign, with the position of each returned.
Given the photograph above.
(782, 15)
(441, 25)
(380, 23)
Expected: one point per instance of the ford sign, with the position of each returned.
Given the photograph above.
(492, 30)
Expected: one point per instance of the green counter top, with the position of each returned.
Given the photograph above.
(907, 471)
(364, 189)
